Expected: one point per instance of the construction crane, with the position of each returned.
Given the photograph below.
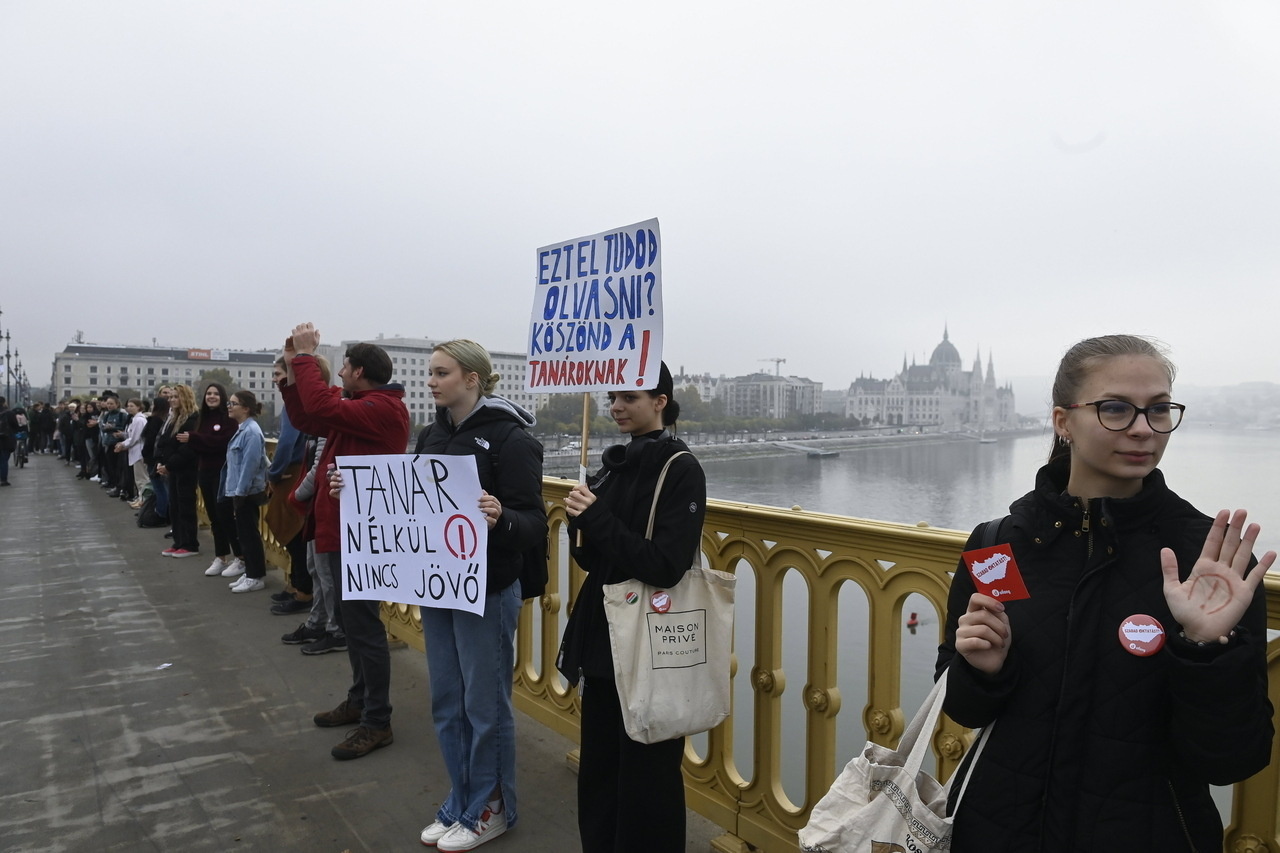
(777, 364)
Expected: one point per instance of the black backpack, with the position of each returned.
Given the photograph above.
(147, 516)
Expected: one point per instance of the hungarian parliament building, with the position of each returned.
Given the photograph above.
(940, 393)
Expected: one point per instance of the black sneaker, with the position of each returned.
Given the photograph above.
(302, 634)
(293, 605)
(324, 645)
(282, 595)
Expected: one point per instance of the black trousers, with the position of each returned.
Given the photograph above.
(630, 795)
(367, 650)
(299, 577)
(248, 515)
(182, 509)
(222, 517)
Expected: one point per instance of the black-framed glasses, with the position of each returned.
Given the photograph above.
(1119, 415)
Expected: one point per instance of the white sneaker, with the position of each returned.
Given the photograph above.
(234, 569)
(461, 838)
(432, 834)
(248, 584)
(216, 567)
(95, 479)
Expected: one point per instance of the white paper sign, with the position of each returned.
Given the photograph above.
(412, 531)
(597, 312)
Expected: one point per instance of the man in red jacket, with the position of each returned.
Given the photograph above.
(366, 417)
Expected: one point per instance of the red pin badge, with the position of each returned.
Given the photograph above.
(660, 601)
(1141, 635)
(995, 573)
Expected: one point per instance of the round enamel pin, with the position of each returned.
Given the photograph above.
(660, 601)
(633, 597)
(1141, 635)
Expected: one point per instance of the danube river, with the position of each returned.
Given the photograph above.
(953, 484)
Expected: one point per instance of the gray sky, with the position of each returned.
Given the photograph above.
(835, 181)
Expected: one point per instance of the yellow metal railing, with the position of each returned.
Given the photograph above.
(776, 552)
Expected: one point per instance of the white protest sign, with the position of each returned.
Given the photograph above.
(597, 312)
(412, 530)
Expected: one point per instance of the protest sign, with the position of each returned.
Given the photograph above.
(597, 312)
(412, 530)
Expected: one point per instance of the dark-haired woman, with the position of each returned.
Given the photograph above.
(630, 795)
(1133, 677)
(210, 439)
(243, 486)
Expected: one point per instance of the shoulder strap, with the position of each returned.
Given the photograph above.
(657, 490)
(993, 531)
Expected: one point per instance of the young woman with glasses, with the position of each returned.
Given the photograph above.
(1133, 676)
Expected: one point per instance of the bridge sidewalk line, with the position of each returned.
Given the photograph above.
(148, 708)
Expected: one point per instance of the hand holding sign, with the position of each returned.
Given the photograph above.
(983, 635)
(1211, 601)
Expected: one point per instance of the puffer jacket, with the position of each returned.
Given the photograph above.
(614, 547)
(1094, 748)
(509, 464)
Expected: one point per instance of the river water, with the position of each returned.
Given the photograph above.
(955, 484)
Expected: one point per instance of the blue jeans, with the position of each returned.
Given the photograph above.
(471, 661)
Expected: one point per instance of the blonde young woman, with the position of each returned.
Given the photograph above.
(1134, 676)
(177, 464)
(470, 657)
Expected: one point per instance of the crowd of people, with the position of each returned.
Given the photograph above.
(1100, 740)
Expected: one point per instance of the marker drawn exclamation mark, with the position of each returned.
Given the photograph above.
(644, 355)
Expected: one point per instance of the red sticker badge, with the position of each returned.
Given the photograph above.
(1141, 635)
(660, 601)
(995, 573)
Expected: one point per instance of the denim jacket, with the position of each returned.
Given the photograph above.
(246, 470)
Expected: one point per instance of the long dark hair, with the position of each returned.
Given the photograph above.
(1082, 358)
(219, 413)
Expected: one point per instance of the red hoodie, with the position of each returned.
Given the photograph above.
(371, 422)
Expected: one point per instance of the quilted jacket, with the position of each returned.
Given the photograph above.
(1094, 748)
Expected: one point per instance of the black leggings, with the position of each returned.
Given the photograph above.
(247, 516)
(222, 516)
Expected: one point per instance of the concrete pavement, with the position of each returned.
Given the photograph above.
(145, 707)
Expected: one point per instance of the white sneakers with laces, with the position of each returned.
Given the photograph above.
(216, 567)
(248, 584)
(233, 569)
(432, 834)
(461, 838)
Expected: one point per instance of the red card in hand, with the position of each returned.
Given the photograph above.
(995, 573)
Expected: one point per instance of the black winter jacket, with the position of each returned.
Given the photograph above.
(175, 455)
(1094, 748)
(509, 462)
(613, 546)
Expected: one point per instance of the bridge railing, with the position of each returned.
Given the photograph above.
(854, 578)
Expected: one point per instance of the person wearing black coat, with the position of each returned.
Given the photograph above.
(471, 658)
(630, 795)
(1134, 674)
(176, 460)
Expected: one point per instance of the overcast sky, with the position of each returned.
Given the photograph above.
(835, 181)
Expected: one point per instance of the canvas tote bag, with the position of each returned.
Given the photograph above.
(671, 648)
(883, 801)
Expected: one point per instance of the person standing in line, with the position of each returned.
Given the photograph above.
(243, 486)
(111, 427)
(630, 795)
(283, 520)
(470, 658)
(9, 428)
(133, 474)
(209, 440)
(89, 442)
(370, 420)
(1134, 676)
(176, 462)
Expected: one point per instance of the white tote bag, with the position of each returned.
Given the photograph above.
(883, 800)
(671, 649)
